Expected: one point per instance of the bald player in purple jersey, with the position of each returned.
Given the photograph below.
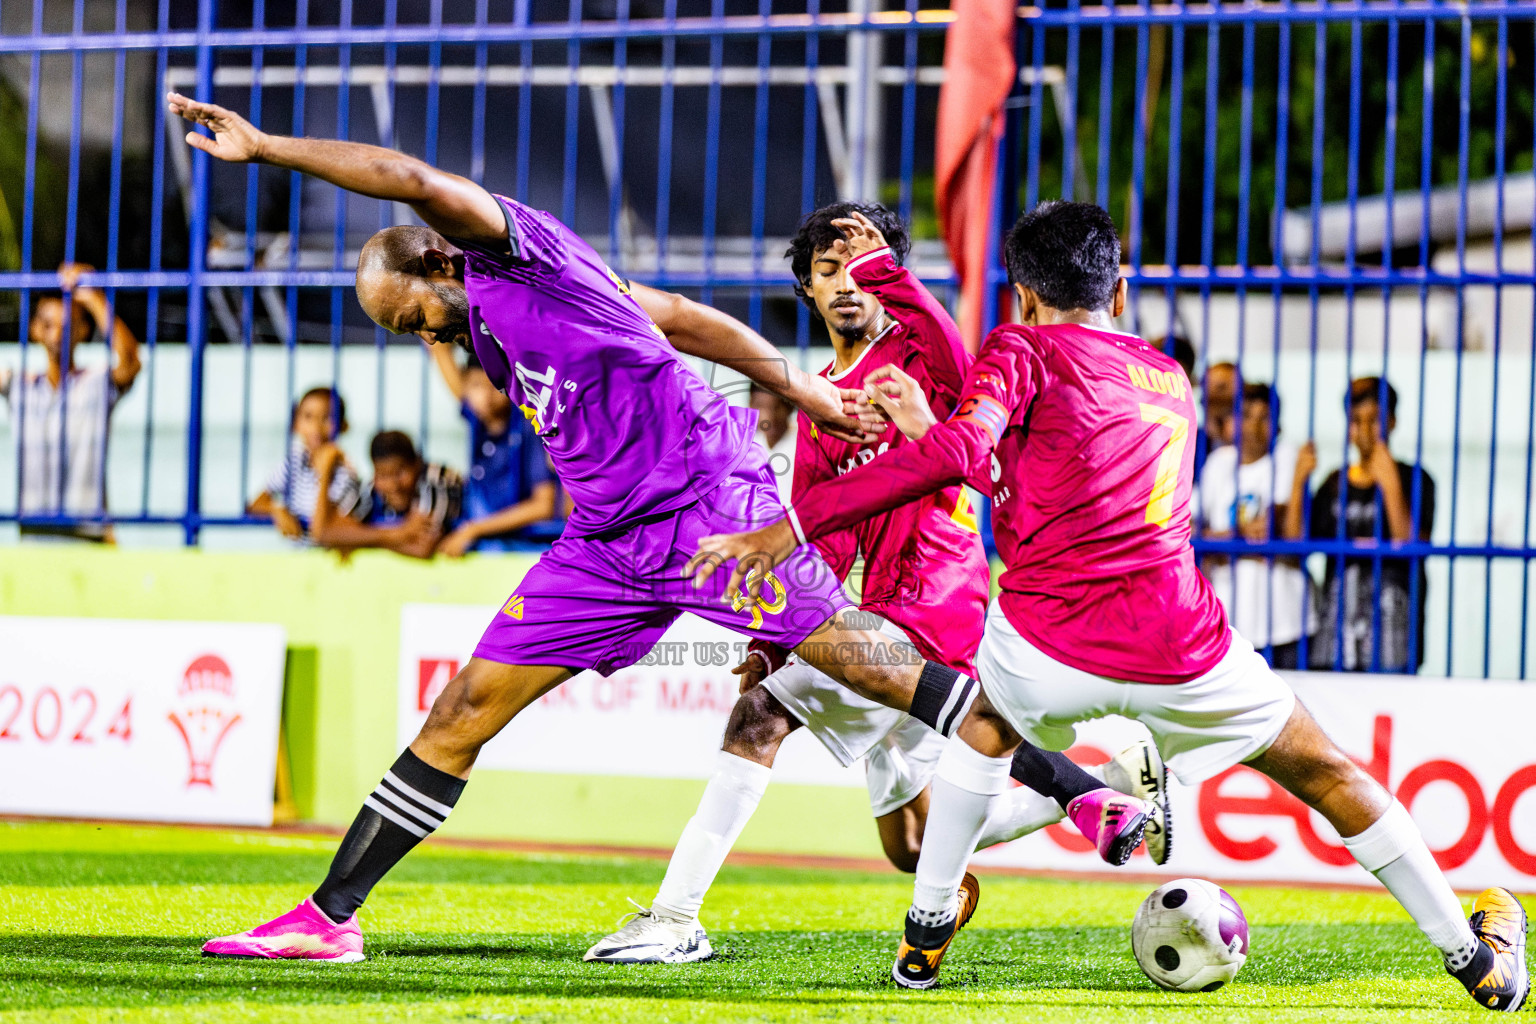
(654, 459)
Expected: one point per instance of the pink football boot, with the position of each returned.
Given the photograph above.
(1112, 821)
(301, 934)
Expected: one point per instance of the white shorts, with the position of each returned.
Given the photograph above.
(900, 753)
(1202, 727)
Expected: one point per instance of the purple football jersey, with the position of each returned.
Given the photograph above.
(631, 430)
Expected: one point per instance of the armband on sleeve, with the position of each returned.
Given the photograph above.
(985, 411)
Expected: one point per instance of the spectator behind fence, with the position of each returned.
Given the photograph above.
(409, 508)
(776, 430)
(510, 485)
(1238, 491)
(291, 498)
(1222, 382)
(1378, 497)
(1183, 353)
(59, 416)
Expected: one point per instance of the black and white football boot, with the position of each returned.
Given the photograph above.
(651, 938)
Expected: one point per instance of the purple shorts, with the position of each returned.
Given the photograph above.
(603, 602)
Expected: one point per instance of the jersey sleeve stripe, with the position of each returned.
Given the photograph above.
(873, 254)
(794, 524)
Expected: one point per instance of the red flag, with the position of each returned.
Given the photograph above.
(979, 72)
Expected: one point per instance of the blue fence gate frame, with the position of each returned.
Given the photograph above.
(1312, 192)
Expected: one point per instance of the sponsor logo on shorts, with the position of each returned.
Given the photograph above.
(514, 607)
(762, 603)
(432, 675)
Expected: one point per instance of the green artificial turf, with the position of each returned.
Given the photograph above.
(103, 923)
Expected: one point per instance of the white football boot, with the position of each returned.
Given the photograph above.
(1138, 771)
(649, 938)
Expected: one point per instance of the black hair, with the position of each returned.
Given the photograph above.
(1066, 253)
(1183, 352)
(817, 233)
(338, 405)
(76, 310)
(1266, 393)
(393, 444)
(1368, 389)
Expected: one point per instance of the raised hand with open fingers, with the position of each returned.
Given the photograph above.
(859, 235)
(234, 138)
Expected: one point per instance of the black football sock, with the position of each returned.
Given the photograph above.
(1051, 774)
(943, 697)
(408, 805)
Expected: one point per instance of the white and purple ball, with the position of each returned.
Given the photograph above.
(1190, 936)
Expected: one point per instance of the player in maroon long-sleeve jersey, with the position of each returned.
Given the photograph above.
(924, 573)
(1081, 433)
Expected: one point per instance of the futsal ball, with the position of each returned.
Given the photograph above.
(1190, 936)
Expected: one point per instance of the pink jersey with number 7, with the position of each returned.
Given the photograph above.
(1084, 438)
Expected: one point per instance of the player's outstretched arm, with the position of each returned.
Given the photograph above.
(1003, 379)
(702, 331)
(455, 206)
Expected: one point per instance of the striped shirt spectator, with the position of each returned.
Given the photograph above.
(297, 487)
(291, 497)
(60, 416)
(439, 497)
(411, 504)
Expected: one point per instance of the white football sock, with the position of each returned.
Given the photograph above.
(965, 783)
(1393, 850)
(731, 795)
(1017, 812)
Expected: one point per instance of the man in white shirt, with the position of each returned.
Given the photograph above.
(59, 416)
(1266, 599)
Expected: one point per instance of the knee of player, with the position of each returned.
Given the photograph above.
(455, 703)
(879, 679)
(1324, 771)
(758, 724)
(903, 854)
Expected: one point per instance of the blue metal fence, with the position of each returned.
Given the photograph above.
(1312, 192)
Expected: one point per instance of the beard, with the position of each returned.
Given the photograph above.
(455, 326)
(853, 330)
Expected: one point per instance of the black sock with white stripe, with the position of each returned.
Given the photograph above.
(943, 697)
(1051, 774)
(408, 805)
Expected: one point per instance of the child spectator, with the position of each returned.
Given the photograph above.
(291, 498)
(411, 504)
(59, 417)
(510, 486)
(1372, 499)
(1239, 487)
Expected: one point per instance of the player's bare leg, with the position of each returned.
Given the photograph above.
(901, 831)
(668, 931)
(1486, 955)
(411, 801)
(475, 706)
(972, 772)
(891, 672)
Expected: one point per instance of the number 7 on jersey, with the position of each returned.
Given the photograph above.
(1160, 504)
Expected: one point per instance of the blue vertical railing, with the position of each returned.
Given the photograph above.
(1211, 132)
